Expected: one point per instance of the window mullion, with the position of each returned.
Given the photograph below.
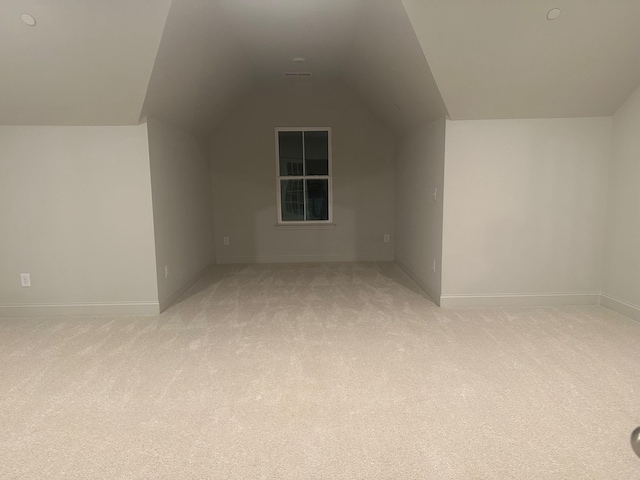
(304, 173)
(304, 198)
(304, 157)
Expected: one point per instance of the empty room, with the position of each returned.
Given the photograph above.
(332, 239)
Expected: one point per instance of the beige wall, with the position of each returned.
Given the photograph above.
(75, 209)
(244, 185)
(622, 254)
(182, 208)
(418, 215)
(524, 210)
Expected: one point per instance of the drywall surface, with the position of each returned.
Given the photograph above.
(75, 209)
(622, 254)
(200, 70)
(244, 177)
(389, 71)
(418, 207)
(84, 63)
(524, 210)
(182, 208)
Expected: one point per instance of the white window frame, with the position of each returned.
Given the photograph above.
(304, 177)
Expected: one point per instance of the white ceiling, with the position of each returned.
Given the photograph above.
(86, 62)
(201, 69)
(212, 51)
(273, 32)
(504, 59)
(387, 68)
(90, 62)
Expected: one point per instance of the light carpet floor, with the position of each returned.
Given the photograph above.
(320, 371)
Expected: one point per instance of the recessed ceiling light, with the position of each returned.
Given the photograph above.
(298, 59)
(553, 14)
(28, 19)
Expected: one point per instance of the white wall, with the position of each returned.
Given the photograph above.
(182, 208)
(244, 183)
(418, 215)
(524, 211)
(75, 213)
(622, 254)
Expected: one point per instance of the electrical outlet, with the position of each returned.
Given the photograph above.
(166, 271)
(225, 240)
(387, 238)
(434, 265)
(25, 279)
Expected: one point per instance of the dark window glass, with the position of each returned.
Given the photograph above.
(316, 153)
(317, 199)
(290, 148)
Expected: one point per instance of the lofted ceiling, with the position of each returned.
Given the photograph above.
(201, 68)
(97, 62)
(387, 68)
(274, 32)
(85, 62)
(213, 51)
(504, 59)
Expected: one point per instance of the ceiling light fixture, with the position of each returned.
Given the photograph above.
(28, 20)
(553, 14)
(298, 59)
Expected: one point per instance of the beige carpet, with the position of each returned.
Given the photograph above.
(333, 371)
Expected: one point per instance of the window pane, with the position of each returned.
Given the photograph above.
(290, 148)
(317, 199)
(316, 150)
(292, 195)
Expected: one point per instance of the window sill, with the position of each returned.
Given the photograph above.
(302, 226)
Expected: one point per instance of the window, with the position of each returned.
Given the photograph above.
(303, 157)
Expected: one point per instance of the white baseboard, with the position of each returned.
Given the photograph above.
(80, 309)
(171, 298)
(625, 308)
(520, 299)
(304, 259)
(428, 289)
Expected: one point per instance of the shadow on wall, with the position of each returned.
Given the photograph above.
(291, 243)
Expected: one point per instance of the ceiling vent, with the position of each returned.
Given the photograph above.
(297, 74)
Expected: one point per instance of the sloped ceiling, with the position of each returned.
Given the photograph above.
(388, 69)
(86, 62)
(212, 52)
(201, 69)
(90, 62)
(504, 59)
(274, 32)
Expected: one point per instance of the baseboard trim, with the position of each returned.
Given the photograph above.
(171, 298)
(303, 259)
(79, 309)
(423, 284)
(620, 306)
(520, 299)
